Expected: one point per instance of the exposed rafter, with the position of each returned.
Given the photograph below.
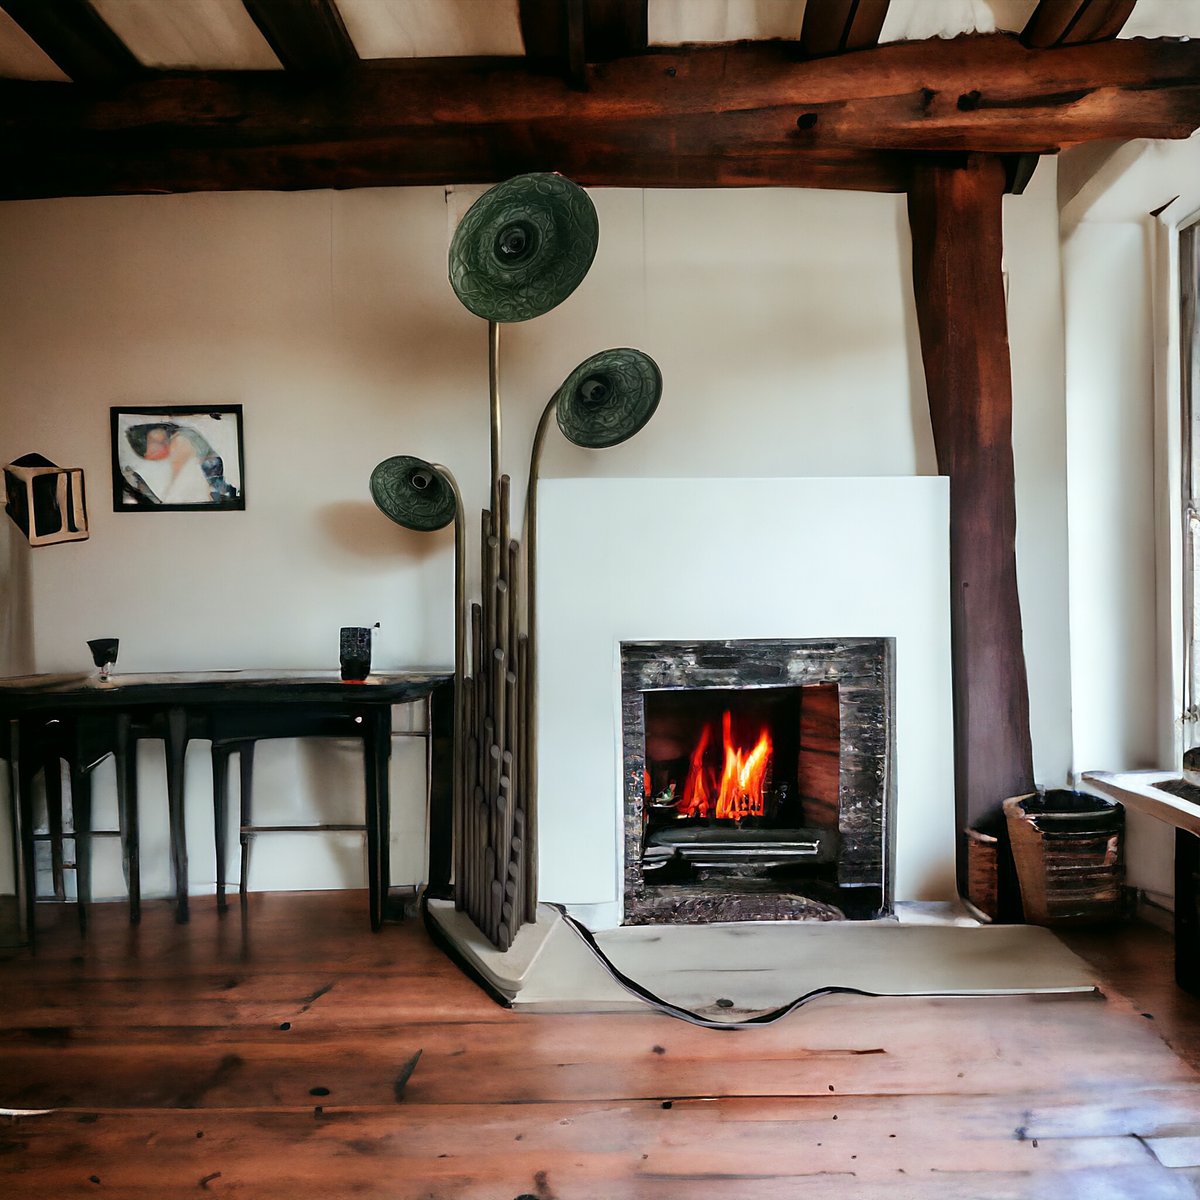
(576, 44)
(989, 93)
(1075, 22)
(744, 115)
(306, 35)
(615, 28)
(73, 36)
(832, 26)
(543, 29)
(566, 35)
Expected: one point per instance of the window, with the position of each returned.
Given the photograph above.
(1189, 376)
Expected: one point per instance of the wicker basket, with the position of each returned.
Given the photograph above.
(983, 873)
(1068, 850)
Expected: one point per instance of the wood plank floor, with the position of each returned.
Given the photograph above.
(291, 1053)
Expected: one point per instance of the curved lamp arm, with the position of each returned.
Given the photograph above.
(606, 400)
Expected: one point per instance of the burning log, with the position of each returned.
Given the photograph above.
(739, 788)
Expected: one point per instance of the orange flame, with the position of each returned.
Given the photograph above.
(738, 791)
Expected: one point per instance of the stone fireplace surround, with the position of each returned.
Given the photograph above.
(861, 668)
(637, 560)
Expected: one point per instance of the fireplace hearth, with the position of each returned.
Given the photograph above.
(758, 779)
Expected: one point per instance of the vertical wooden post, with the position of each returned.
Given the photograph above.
(955, 216)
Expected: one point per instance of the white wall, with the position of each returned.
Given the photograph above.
(783, 322)
(1120, 291)
(1113, 508)
(1035, 319)
(1111, 470)
(627, 560)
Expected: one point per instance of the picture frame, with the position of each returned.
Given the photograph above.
(177, 458)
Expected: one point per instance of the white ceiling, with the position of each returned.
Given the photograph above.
(218, 34)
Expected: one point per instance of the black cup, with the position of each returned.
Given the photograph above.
(355, 648)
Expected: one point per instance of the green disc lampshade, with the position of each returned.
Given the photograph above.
(608, 398)
(523, 247)
(413, 493)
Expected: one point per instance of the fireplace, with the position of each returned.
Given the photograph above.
(758, 780)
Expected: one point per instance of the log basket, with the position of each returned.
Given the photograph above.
(1068, 848)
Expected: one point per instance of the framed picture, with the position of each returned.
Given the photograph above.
(178, 459)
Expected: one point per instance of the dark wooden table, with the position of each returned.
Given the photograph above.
(89, 718)
(1157, 793)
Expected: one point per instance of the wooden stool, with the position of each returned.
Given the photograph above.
(83, 742)
(238, 733)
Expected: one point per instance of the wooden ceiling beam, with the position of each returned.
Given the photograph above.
(1075, 22)
(615, 29)
(75, 38)
(834, 26)
(739, 115)
(616, 156)
(576, 45)
(566, 35)
(307, 36)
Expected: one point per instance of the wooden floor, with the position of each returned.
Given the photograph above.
(293, 1054)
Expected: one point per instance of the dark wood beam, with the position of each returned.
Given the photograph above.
(834, 26)
(566, 35)
(1075, 22)
(615, 29)
(543, 30)
(576, 50)
(989, 93)
(554, 36)
(306, 35)
(685, 157)
(74, 37)
(710, 117)
(958, 281)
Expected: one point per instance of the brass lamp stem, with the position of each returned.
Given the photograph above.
(494, 394)
(531, 706)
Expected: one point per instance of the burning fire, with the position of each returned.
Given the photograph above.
(737, 790)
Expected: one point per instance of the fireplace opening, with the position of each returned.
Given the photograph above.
(729, 767)
(758, 801)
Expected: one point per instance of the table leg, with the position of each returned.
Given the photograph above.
(246, 781)
(81, 817)
(52, 781)
(20, 782)
(377, 751)
(1187, 912)
(176, 749)
(125, 756)
(220, 786)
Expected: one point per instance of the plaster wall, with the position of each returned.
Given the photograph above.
(1113, 505)
(1122, 341)
(782, 320)
(629, 560)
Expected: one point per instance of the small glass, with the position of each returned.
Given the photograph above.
(104, 655)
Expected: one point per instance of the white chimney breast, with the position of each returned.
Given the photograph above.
(662, 559)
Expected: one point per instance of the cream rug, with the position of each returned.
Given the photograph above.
(752, 972)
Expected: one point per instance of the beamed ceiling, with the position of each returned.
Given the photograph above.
(132, 96)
